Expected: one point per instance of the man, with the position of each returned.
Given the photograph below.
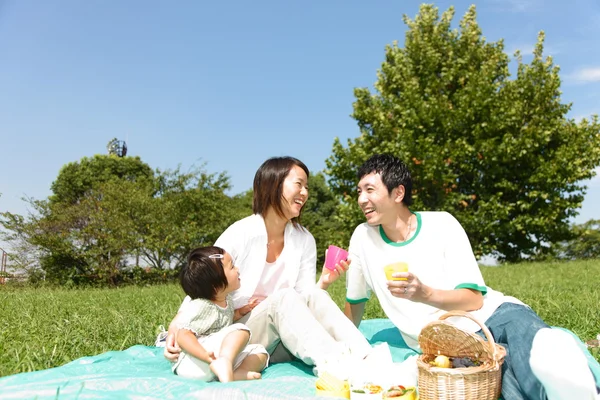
(443, 275)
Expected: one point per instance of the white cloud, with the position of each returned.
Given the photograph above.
(586, 75)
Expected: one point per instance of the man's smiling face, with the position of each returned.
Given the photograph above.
(375, 200)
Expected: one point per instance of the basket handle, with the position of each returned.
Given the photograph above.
(486, 331)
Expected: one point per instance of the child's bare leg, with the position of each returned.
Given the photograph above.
(250, 368)
(232, 345)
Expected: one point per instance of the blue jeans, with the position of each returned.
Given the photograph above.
(514, 327)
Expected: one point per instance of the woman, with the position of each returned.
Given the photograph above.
(278, 299)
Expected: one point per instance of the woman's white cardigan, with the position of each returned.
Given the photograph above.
(246, 242)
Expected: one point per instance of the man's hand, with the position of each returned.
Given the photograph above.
(410, 287)
(414, 290)
(172, 350)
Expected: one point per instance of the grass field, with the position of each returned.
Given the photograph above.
(46, 327)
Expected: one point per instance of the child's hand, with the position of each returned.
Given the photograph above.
(172, 349)
(210, 357)
(253, 302)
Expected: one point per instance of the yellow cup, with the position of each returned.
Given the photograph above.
(395, 267)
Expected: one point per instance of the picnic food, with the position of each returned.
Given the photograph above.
(367, 391)
(464, 362)
(442, 337)
(399, 392)
(329, 385)
(395, 267)
(442, 361)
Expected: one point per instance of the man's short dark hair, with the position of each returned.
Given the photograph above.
(202, 276)
(393, 173)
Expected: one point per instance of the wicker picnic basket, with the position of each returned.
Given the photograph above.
(482, 382)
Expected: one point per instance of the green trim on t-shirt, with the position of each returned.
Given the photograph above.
(473, 286)
(388, 241)
(351, 301)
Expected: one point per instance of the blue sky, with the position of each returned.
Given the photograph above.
(229, 83)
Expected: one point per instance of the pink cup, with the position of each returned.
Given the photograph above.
(334, 256)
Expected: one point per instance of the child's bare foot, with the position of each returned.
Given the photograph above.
(223, 369)
(243, 375)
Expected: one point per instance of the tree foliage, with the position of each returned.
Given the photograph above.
(109, 215)
(75, 179)
(319, 217)
(585, 243)
(191, 209)
(498, 153)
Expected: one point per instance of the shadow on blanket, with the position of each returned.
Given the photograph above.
(141, 372)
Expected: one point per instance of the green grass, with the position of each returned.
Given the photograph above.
(44, 328)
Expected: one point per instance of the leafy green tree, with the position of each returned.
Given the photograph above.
(190, 210)
(319, 217)
(243, 202)
(585, 243)
(23, 257)
(108, 211)
(85, 241)
(76, 178)
(498, 153)
(86, 228)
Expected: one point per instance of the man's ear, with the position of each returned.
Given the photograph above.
(398, 193)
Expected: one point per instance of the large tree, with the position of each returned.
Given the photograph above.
(107, 213)
(189, 210)
(75, 179)
(585, 244)
(497, 152)
(319, 217)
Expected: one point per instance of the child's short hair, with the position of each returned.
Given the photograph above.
(203, 276)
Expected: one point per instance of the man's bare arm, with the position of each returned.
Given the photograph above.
(355, 312)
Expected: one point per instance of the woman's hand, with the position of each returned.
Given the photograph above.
(329, 276)
(172, 350)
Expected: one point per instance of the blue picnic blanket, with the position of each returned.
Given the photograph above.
(141, 372)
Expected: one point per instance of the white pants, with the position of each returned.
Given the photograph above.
(310, 326)
(191, 367)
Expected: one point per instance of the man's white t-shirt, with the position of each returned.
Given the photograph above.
(439, 254)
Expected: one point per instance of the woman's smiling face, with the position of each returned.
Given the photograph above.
(295, 192)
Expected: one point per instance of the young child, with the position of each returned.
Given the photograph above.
(212, 346)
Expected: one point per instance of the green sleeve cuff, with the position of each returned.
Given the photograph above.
(473, 286)
(352, 301)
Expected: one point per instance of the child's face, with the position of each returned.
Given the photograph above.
(232, 273)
